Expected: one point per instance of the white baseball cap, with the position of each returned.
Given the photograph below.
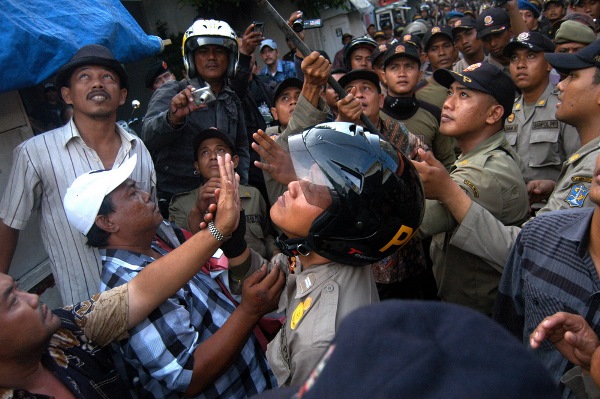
(85, 195)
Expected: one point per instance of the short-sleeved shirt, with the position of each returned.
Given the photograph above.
(43, 168)
(77, 354)
(159, 355)
(542, 142)
(285, 69)
(490, 174)
(315, 301)
(550, 270)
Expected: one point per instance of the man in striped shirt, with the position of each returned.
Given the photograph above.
(95, 83)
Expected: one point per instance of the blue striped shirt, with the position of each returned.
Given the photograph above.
(550, 270)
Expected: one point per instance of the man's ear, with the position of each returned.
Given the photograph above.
(494, 114)
(123, 96)
(66, 95)
(197, 166)
(106, 224)
(235, 160)
(274, 113)
(381, 100)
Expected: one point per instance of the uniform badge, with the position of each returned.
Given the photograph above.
(573, 158)
(435, 30)
(518, 106)
(577, 195)
(406, 38)
(510, 118)
(523, 37)
(472, 67)
(488, 20)
(541, 103)
(400, 49)
(299, 312)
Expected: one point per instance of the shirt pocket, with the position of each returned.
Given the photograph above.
(537, 306)
(543, 148)
(511, 138)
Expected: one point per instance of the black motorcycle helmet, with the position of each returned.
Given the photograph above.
(376, 196)
(363, 41)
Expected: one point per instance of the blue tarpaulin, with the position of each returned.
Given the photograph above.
(38, 36)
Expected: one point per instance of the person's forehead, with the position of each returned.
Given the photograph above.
(122, 188)
(267, 49)
(439, 39)
(523, 50)
(359, 82)
(362, 50)
(288, 92)
(93, 67)
(210, 47)
(526, 13)
(213, 142)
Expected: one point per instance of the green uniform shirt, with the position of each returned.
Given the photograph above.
(491, 176)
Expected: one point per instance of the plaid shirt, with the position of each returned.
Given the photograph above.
(159, 353)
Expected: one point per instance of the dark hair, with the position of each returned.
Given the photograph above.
(97, 237)
(596, 80)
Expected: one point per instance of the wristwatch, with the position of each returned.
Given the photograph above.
(216, 233)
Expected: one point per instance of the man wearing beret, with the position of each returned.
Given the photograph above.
(158, 74)
(479, 100)
(530, 14)
(542, 142)
(573, 36)
(96, 84)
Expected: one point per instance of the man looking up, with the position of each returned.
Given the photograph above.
(542, 142)
(95, 84)
(37, 360)
(275, 69)
(197, 343)
(174, 119)
(286, 97)
(402, 73)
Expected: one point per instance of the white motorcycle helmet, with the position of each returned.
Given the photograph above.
(209, 31)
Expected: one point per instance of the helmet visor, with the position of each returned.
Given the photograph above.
(198, 41)
(315, 185)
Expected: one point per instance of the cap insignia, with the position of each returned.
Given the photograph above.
(400, 49)
(435, 30)
(488, 20)
(523, 37)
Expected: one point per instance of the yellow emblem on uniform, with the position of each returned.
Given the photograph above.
(435, 30)
(510, 118)
(462, 163)
(518, 106)
(472, 67)
(574, 157)
(406, 38)
(299, 312)
(400, 49)
(541, 103)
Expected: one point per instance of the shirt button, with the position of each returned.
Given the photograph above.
(329, 288)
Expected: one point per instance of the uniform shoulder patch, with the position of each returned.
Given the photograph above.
(577, 195)
(473, 187)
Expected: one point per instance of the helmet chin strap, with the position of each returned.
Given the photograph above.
(292, 246)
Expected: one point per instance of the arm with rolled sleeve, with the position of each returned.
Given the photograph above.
(22, 196)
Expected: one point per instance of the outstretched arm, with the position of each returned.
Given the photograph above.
(163, 277)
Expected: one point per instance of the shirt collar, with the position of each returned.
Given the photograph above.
(70, 132)
(578, 230)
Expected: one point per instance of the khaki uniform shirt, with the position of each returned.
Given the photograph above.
(490, 175)
(425, 126)
(259, 232)
(542, 142)
(43, 168)
(315, 301)
(483, 235)
(432, 92)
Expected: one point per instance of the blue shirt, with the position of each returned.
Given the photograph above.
(285, 69)
(549, 269)
(159, 353)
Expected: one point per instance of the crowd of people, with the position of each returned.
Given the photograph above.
(258, 220)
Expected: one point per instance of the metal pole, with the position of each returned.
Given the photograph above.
(300, 45)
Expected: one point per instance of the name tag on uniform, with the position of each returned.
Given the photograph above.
(511, 128)
(551, 124)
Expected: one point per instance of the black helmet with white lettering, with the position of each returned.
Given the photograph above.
(374, 195)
